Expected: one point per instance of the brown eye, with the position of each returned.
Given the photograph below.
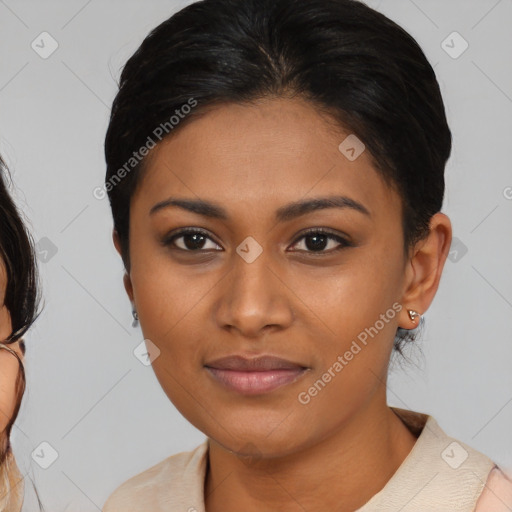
(191, 240)
(317, 240)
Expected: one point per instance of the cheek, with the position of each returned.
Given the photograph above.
(9, 368)
(348, 297)
(352, 312)
(171, 308)
(164, 292)
(168, 312)
(5, 323)
(353, 340)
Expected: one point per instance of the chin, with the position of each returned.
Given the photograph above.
(256, 442)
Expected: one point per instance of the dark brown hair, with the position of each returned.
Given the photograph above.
(22, 300)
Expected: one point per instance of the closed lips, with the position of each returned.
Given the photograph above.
(258, 364)
(254, 376)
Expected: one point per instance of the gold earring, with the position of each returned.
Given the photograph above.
(413, 314)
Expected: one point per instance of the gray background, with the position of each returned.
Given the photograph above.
(87, 395)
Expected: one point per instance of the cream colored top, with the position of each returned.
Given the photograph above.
(439, 474)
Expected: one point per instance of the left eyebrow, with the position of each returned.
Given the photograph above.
(283, 214)
(293, 210)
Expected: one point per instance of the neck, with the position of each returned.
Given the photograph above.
(342, 472)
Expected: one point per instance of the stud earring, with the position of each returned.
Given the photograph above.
(413, 314)
(135, 318)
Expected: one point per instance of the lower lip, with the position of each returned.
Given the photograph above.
(255, 382)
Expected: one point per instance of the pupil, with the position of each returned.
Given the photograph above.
(195, 244)
(316, 245)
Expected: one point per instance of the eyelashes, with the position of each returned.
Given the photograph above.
(187, 232)
(325, 234)
(197, 238)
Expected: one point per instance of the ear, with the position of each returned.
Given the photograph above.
(424, 269)
(126, 278)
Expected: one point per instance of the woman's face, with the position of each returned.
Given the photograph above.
(9, 366)
(254, 285)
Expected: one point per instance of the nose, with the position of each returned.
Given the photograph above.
(255, 298)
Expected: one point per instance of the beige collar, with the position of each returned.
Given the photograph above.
(439, 474)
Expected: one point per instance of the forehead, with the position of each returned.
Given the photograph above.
(274, 151)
